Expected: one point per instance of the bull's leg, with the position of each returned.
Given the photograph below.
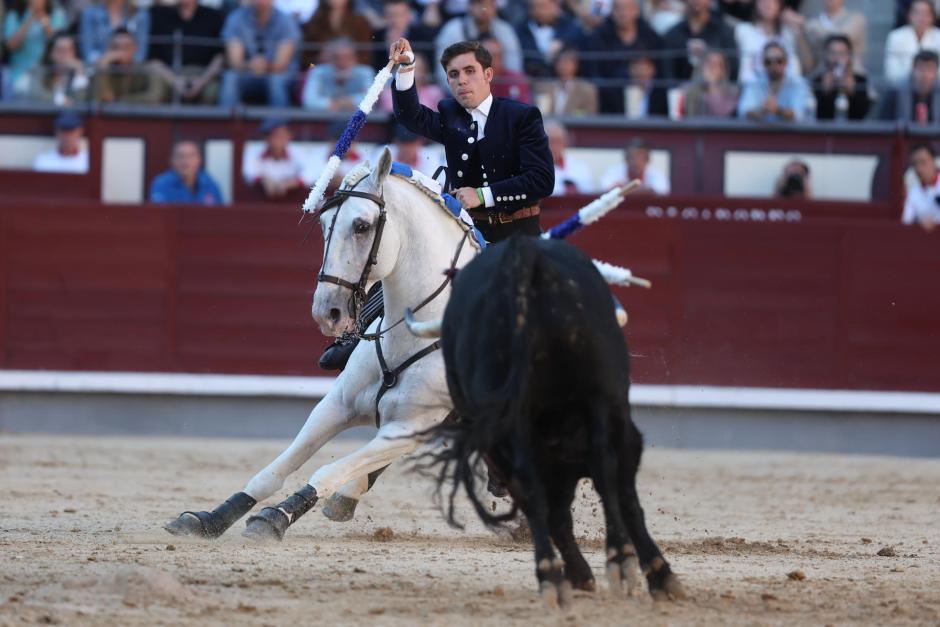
(663, 583)
(326, 420)
(561, 526)
(529, 493)
(393, 441)
(604, 473)
(341, 506)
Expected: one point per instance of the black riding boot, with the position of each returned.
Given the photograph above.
(337, 354)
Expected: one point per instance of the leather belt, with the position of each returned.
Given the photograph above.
(498, 217)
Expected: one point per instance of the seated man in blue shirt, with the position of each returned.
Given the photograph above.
(260, 49)
(185, 181)
(774, 96)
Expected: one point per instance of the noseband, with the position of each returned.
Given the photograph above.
(358, 289)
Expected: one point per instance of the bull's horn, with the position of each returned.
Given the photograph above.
(429, 329)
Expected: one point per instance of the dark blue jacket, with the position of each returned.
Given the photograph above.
(513, 154)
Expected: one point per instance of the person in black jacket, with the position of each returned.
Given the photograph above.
(916, 100)
(498, 159)
(840, 91)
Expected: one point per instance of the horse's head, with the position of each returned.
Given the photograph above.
(360, 248)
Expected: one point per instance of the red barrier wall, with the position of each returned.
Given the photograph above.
(821, 303)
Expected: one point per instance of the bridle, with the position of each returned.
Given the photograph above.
(358, 289)
(359, 295)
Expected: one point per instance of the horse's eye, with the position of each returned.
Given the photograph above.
(361, 226)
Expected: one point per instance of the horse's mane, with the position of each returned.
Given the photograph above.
(430, 188)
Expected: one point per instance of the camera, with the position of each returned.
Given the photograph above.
(794, 186)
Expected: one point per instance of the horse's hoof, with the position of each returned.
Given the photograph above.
(269, 524)
(188, 524)
(340, 508)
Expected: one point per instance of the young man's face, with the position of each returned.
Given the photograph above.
(924, 166)
(468, 81)
(924, 76)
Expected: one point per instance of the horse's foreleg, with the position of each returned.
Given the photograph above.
(393, 441)
(326, 420)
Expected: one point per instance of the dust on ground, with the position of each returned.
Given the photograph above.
(757, 538)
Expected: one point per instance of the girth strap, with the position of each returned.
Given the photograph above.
(390, 377)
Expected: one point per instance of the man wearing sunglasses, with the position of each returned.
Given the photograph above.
(773, 96)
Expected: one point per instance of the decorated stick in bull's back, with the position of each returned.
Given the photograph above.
(352, 129)
(592, 212)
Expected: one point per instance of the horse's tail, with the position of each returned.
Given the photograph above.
(491, 415)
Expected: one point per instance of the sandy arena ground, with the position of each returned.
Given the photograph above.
(81, 543)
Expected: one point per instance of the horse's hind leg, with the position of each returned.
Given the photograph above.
(341, 505)
(326, 420)
(391, 442)
(663, 583)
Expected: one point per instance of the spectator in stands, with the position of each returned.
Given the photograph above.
(276, 168)
(61, 79)
(740, 10)
(922, 204)
(506, 83)
(192, 75)
(917, 100)
(185, 181)
(480, 22)
(701, 30)
(611, 47)
(793, 181)
(546, 31)
(636, 166)
(260, 46)
(429, 93)
(120, 78)
(711, 94)
(767, 24)
(70, 155)
(901, 8)
(664, 15)
(399, 23)
(775, 96)
(566, 94)
(840, 91)
(835, 19)
(334, 19)
(905, 42)
(99, 21)
(26, 30)
(571, 175)
(300, 10)
(409, 148)
(340, 83)
(644, 97)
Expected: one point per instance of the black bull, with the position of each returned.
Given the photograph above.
(539, 375)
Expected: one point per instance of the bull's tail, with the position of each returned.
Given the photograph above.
(492, 415)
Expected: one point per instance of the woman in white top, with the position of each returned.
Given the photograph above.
(905, 42)
(767, 24)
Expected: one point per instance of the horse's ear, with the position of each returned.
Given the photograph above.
(382, 169)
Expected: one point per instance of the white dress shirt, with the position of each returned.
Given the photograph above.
(53, 161)
(921, 202)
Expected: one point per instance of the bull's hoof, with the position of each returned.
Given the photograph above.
(268, 524)
(554, 589)
(340, 508)
(588, 585)
(672, 590)
(195, 524)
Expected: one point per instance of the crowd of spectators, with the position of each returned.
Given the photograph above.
(767, 60)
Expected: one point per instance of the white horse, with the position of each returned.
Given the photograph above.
(386, 228)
